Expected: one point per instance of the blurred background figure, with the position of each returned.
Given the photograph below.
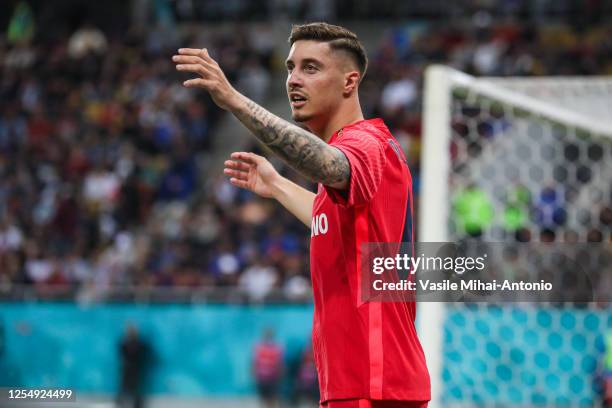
(473, 211)
(134, 354)
(306, 383)
(607, 371)
(268, 369)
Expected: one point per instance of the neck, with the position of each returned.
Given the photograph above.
(344, 117)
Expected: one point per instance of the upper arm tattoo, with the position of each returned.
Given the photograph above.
(302, 150)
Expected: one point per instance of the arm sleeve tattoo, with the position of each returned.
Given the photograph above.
(302, 150)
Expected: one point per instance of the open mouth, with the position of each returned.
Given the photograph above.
(297, 101)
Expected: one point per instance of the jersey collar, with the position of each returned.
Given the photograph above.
(377, 122)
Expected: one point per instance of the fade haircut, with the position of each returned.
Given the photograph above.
(338, 38)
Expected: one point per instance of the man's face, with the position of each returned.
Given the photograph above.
(315, 81)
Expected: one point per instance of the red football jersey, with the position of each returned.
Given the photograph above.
(268, 362)
(364, 350)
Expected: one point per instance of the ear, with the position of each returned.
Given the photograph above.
(351, 82)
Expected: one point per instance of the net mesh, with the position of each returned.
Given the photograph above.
(518, 176)
(516, 172)
(522, 356)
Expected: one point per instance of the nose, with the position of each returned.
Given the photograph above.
(294, 80)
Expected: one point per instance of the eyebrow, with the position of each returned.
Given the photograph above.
(305, 61)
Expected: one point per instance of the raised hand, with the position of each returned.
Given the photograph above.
(212, 78)
(252, 172)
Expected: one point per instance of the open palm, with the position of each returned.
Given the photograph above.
(252, 172)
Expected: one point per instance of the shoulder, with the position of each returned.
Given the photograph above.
(373, 130)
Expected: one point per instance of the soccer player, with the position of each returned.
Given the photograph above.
(367, 353)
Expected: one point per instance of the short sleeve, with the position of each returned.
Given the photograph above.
(366, 157)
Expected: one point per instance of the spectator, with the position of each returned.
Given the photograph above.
(607, 371)
(473, 211)
(85, 40)
(516, 212)
(399, 93)
(550, 208)
(268, 369)
(133, 352)
(21, 27)
(307, 387)
(258, 280)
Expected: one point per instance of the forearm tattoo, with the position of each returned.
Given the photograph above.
(302, 150)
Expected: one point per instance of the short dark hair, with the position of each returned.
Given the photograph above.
(338, 38)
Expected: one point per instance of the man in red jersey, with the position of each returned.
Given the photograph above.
(367, 353)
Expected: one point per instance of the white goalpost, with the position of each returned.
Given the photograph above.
(549, 141)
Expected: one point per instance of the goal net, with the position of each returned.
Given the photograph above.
(516, 160)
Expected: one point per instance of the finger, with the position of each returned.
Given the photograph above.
(239, 183)
(240, 175)
(197, 52)
(244, 170)
(188, 59)
(247, 157)
(236, 165)
(190, 51)
(195, 68)
(197, 82)
(243, 156)
(206, 57)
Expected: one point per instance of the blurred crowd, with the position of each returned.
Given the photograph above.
(104, 176)
(103, 166)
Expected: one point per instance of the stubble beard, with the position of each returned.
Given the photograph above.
(300, 117)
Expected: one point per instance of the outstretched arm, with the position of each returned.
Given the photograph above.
(255, 173)
(302, 150)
